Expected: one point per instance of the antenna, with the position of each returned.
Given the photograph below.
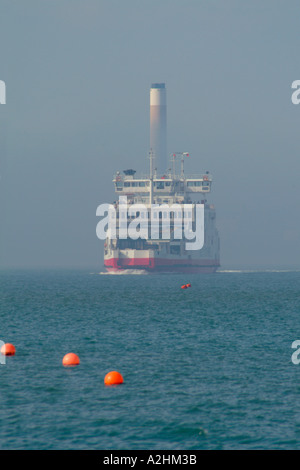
(151, 156)
(182, 155)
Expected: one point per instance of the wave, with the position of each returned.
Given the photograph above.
(124, 272)
(258, 270)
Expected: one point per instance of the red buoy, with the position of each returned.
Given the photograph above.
(70, 359)
(8, 349)
(113, 378)
(184, 286)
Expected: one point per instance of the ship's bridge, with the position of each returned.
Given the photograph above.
(130, 183)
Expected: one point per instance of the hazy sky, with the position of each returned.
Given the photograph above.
(78, 75)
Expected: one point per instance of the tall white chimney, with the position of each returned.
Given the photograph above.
(158, 126)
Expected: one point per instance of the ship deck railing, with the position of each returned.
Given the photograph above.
(146, 177)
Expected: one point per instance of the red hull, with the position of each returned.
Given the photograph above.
(156, 265)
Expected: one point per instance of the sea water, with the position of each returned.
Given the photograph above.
(208, 367)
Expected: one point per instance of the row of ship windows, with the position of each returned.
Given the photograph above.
(135, 184)
(158, 185)
(198, 183)
(142, 184)
(157, 215)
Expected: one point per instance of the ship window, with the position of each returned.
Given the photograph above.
(126, 184)
(142, 183)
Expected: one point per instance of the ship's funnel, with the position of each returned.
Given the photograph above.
(158, 126)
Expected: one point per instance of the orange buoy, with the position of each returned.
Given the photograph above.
(188, 285)
(8, 349)
(184, 286)
(70, 359)
(113, 378)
